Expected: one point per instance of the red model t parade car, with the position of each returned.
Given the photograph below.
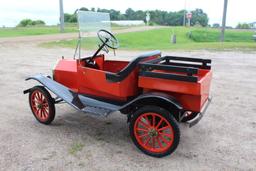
(155, 92)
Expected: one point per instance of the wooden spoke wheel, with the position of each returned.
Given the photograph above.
(42, 105)
(154, 131)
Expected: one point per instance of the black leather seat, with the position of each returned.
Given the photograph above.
(121, 75)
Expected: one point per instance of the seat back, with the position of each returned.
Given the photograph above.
(121, 75)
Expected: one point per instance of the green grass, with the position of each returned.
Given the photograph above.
(76, 147)
(202, 38)
(36, 30)
(213, 35)
(152, 39)
(43, 30)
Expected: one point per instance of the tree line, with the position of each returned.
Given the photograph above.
(158, 17)
(29, 22)
(239, 26)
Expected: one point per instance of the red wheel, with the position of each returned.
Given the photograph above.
(154, 131)
(42, 105)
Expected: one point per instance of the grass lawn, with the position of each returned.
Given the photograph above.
(36, 30)
(42, 30)
(212, 35)
(201, 38)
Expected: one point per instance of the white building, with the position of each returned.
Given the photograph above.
(129, 22)
(253, 24)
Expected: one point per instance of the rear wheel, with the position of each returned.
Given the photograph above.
(42, 105)
(154, 131)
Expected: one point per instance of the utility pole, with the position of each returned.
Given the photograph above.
(61, 17)
(222, 36)
(184, 17)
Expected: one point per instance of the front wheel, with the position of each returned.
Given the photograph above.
(42, 105)
(154, 131)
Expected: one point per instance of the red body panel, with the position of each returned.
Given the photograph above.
(114, 66)
(192, 96)
(94, 82)
(90, 81)
(66, 73)
(85, 80)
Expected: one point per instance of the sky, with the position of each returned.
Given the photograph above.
(12, 11)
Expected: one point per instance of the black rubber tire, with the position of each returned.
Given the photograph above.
(50, 103)
(168, 116)
(190, 117)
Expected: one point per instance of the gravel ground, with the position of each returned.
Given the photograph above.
(225, 139)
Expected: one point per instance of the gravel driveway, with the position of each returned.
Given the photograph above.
(225, 139)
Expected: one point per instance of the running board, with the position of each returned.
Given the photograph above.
(78, 101)
(97, 111)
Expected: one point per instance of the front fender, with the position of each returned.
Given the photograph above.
(154, 98)
(38, 78)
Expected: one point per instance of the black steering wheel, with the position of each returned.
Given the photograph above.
(108, 39)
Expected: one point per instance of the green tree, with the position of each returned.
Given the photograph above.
(198, 16)
(84, 9)
(29, 22)
(243, 26)
(140, 15)
(38, 22)
(216, 25)
(157, 16)
(25, 22)
(129, 13)
(67, 17)
(73, 19)
(114, 14)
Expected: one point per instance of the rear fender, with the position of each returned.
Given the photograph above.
(155, 98)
